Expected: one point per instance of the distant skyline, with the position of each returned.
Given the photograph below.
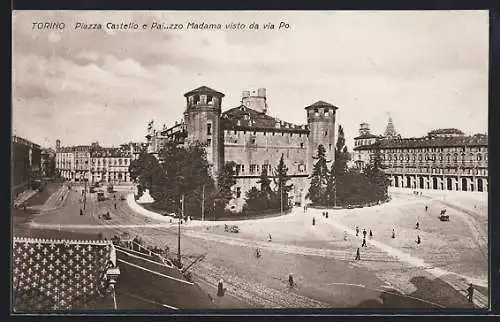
(426, 70)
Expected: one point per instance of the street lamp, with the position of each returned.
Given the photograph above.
(112, 276)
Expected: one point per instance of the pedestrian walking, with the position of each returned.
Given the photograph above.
(81, 212)
(357, 231)
(257, 253)
(426, 207)
(364, 233)
(291, 282)
(364, 242)
(358, 256)
(417, 226)
(220, 288)
(269, 238)
(418, 240)
(326, 214)
(371, 234)
(24, 206)
(345, 235)
(393, 233)
(314, 221)
(115, 205)
(470, 292)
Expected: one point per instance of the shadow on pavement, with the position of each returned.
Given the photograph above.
(430, 294)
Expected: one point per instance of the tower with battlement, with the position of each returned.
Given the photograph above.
(202, 121)
(321, 123)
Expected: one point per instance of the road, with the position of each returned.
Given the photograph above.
(262, 283)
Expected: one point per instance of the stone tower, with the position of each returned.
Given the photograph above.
(255, 100)
(321, 122)
(202, 121)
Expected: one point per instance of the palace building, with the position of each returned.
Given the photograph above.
(444, 159)
(26, 163)
(249, 136)
(96, 163)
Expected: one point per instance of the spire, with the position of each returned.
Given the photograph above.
(390, 131)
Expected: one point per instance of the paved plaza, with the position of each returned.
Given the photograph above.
(392, 272)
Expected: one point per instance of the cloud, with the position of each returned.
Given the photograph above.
(427, 69)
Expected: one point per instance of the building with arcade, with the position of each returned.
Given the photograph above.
(444, 159)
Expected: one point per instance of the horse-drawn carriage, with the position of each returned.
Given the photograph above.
(231, 228)
(443, 216)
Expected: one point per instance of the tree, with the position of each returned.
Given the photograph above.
(265, 183)
(184, 172)
(281, 179)
(319, 177)
(331, 187)
(225, 180)
(341, 154)
(254, 201)
(338, 169)
(144, 170)
(375, 172)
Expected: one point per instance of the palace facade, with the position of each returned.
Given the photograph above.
(96, 163)
(444, 159)
(249, 136)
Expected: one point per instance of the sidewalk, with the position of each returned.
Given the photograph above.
(25, 195)
(457, 281)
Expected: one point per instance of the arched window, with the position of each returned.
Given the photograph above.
(389, 157)
(486, 157)
(419, 157)
(479, 157)
(463, 157)
(440, 157)
(455, 156)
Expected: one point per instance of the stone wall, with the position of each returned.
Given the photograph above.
(252, 150)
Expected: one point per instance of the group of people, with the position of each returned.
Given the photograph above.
(363, 243)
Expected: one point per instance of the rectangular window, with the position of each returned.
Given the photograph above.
(238, 192)
(252, 168)
(209, 128)
(242, 168)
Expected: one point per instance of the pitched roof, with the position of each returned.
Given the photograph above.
(446, 131)
(475, 140)
(366, 136)
(321, 104)
(243, 116)
(204, 90)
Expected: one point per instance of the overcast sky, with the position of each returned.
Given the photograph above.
(426, 69)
